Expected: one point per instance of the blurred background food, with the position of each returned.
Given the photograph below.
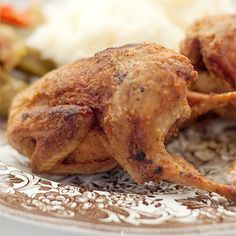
(78, 28)
(37, 36)
(19, 63)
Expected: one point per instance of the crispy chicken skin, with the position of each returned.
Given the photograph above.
(116, 107)
(210, 44)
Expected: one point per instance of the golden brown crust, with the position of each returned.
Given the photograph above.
(126, 100)
(83, 91)
(210, 44)
(86, 83)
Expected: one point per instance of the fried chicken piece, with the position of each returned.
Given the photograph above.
(116, 107)
(210, 44)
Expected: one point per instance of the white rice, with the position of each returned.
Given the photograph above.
(77, 28)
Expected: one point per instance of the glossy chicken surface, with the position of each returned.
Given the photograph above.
(211, 46)
(116, 107)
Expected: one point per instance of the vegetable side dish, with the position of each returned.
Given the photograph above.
(18, 62)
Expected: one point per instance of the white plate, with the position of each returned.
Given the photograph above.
(112, 202)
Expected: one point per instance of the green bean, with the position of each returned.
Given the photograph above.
(18, 64)
(9, 87)
(33, 64)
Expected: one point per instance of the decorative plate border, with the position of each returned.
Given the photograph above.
(113, 202)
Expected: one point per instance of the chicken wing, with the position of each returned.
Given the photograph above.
(116, 107)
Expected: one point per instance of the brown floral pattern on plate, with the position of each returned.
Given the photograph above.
(113, 199)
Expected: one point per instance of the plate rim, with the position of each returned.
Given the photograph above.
(72, 225)
(101, 229)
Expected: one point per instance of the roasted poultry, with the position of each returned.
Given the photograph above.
(116, 107)
(211, 46)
